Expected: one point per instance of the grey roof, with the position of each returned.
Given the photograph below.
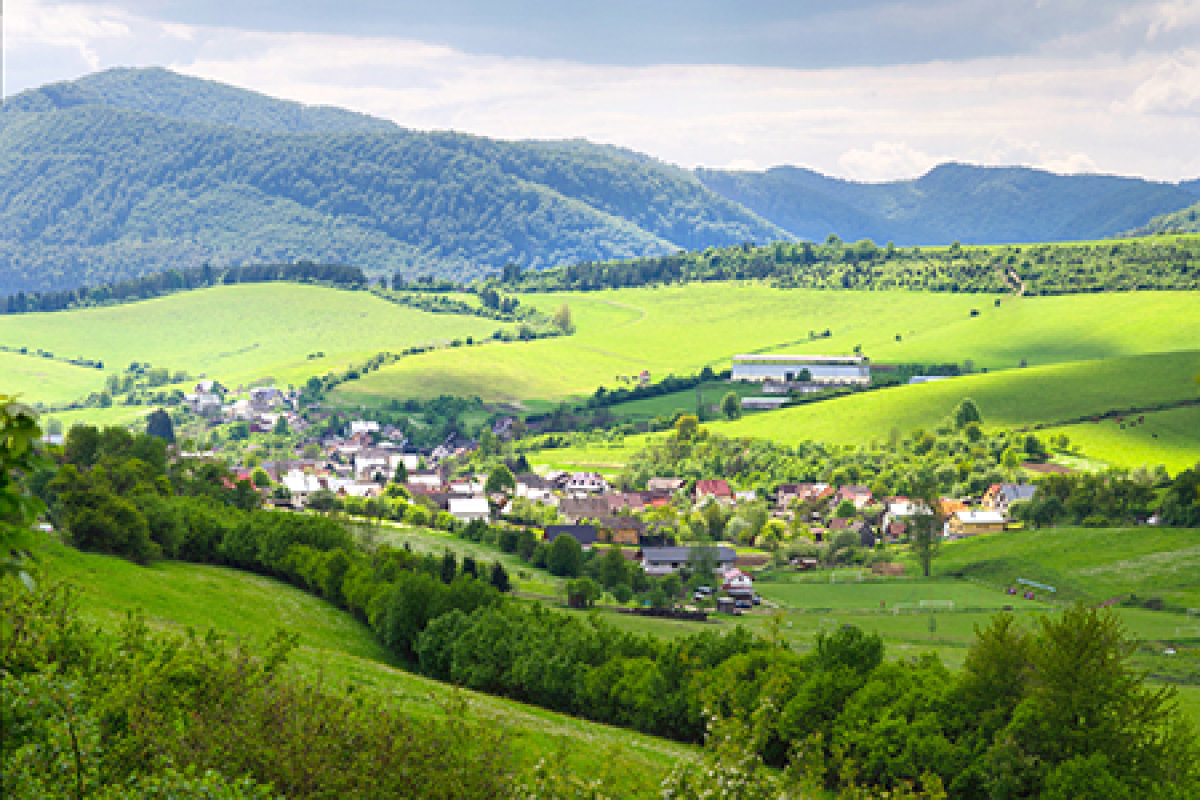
(1018, 491)
(677, 554)
(584, 534)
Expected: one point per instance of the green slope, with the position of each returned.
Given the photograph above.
(1170, 438)
(1186, 220)
(681, 329)
(1021, 397)
(234, 333)
(342, 652)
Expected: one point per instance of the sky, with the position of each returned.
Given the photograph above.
(868, 90)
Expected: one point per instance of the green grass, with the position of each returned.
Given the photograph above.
(37, 379)
(1170, 438)
(711, 394)
(1084, 563)
(884, 596)
(342, 652)
(681, 329)
(1005, 399)
(234, 333)
(607, 458)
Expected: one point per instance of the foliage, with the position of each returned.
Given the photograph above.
(19, 456)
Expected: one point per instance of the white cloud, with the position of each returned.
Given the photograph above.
(1174, 88)
(1086, 108)
(886, 161)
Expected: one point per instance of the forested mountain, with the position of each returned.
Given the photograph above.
(95, 192)
(135, 171)
(952, 202)
(1186, 220)
(160, 91)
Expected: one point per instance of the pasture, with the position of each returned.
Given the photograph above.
(237, 334)
(681, 329)
(1008, 399)
(1170, 438)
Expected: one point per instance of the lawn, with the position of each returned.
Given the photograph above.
(681, 329)
(342, 652)
(1013, 398)
(234, 333)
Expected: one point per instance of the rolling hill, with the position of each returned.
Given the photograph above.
(1185, 220)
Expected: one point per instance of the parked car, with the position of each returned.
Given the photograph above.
(756, 600)
(744, 604)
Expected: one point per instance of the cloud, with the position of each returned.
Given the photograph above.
(1174, 88)
(1095, 98)
(886, 161)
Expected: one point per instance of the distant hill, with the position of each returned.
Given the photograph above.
(1186, 220)
(135, 171)
(952, 202)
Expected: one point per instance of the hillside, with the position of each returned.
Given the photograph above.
(342, 652)
(1013, 398)
(681, 329)
(234, 333)
(952, 202)
(136, 171)
(1186, 220)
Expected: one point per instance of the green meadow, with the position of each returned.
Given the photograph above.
(1170, 438)
(340, 651)
(237, 334)
(1013, 398)
(681, 329)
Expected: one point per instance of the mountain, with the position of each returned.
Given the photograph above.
(1186, 220)
(952, 202)
(134, 171)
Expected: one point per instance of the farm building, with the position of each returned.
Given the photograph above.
(659, 561)
(832, 370)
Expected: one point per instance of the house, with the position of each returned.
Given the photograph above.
(1000, 496)
(828, 370)
(468, 486)
(575, 509)
(586, 483)
(468, 509)
(360, 426)
(584, 534)
(717, 489)
(620, 530)
(302, 484)
(659, 561)
(802, 493)
(763, 403)
(204, 404)
(665, 484)
(973, 523)
(264, 398)
(859, 495)
(428, 478)
(745, 496)
(737, 583)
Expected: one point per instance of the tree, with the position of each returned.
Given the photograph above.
(499, 577)
(562, 319)
(500, 481)
(260, 478)
(158, 423)
(613, 568)
(925, 530)
(622, 593)
(966, 412)
(687, 427)
(281, 426)
(400, 476)
(19, 435)
(731, 405)
(565, 558)
(846, 509)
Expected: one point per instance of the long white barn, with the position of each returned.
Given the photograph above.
(844, 370)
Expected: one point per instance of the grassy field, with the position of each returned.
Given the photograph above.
(1170, 438)
(1083, 563)
(343, 652)
(681, 329)
(1006, 399)
(234, 333)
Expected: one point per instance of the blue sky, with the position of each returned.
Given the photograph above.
(861, 89)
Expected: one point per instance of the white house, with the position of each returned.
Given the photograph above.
(659, 561)
(363, 426)
(586, 483)
(301, 484)
(466, 509)
(834, 370)
(737, 582)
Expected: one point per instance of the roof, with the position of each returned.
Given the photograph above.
(683, 553)
(584, 534)
(619, 523)
(584, 507)
(669, 484)
(980, 517)
(469, 505)
(718, 487)
(1018, 491)
(784, 359)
